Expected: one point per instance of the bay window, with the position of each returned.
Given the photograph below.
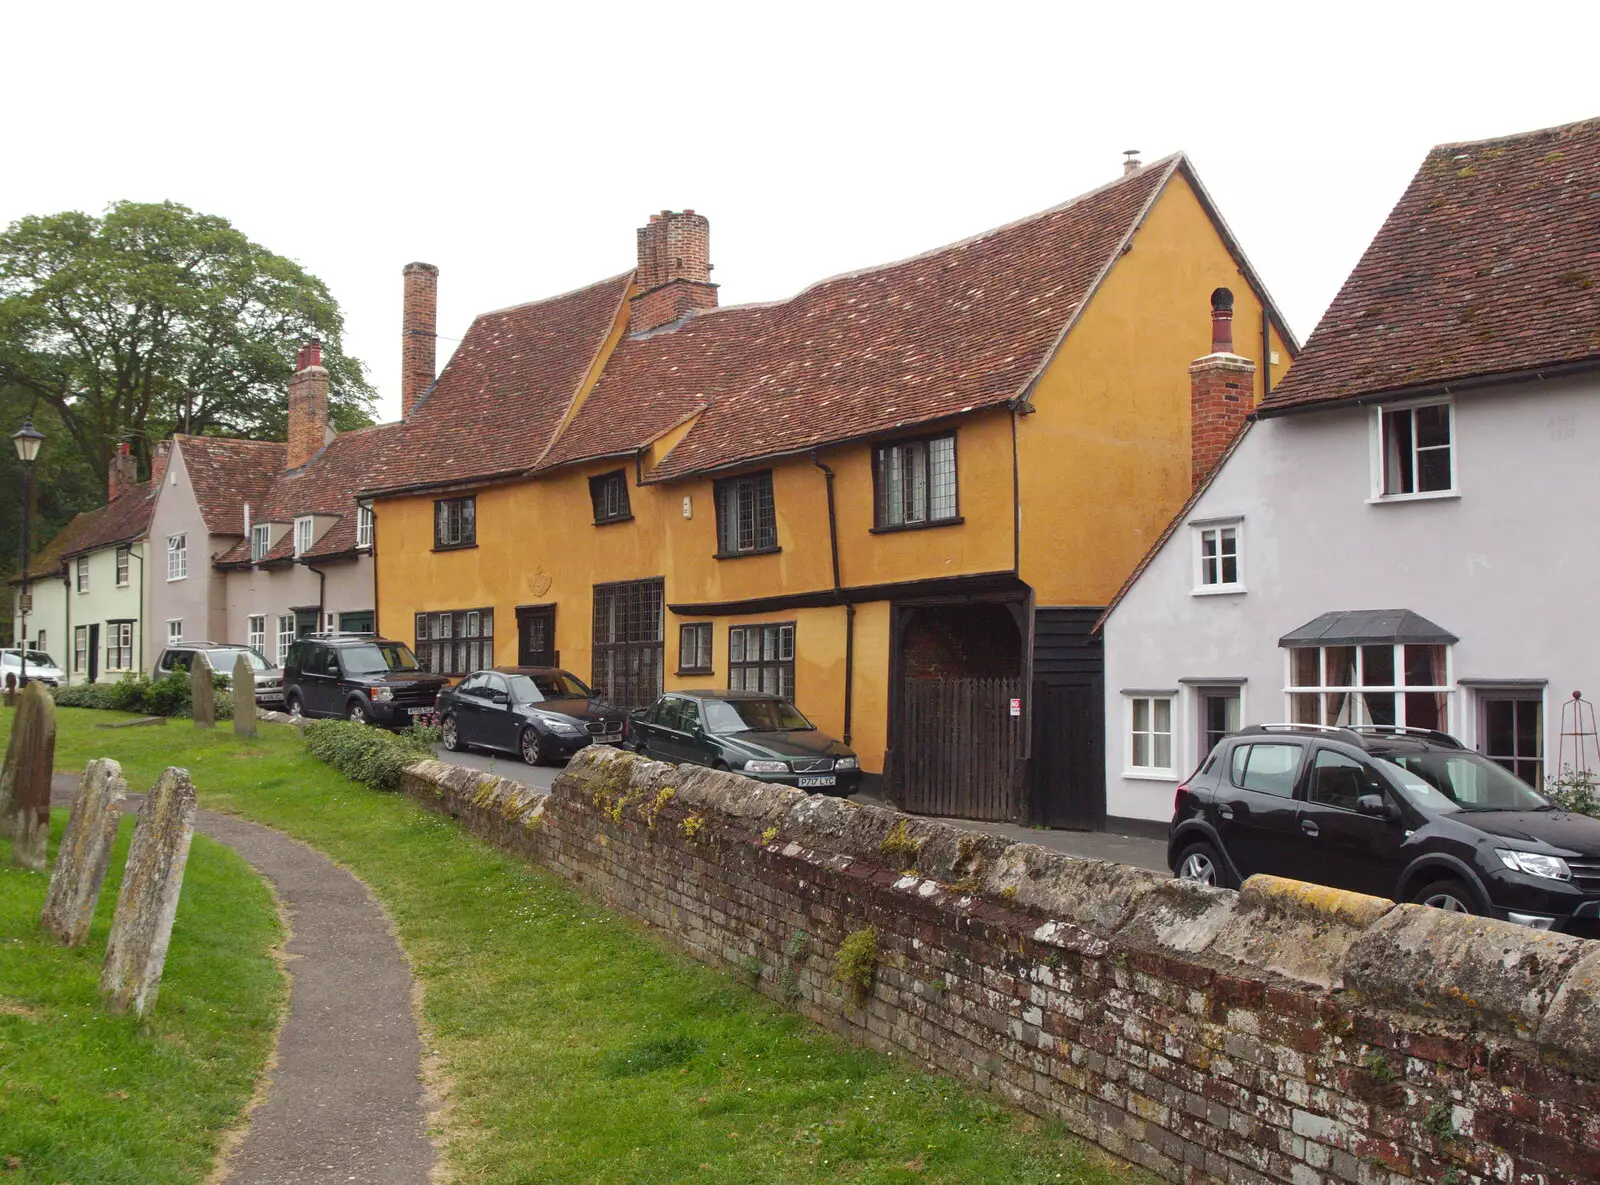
(1396, 684)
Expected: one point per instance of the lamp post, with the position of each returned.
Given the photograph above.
(27, 439)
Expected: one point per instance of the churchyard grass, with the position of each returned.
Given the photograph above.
(93, 1099)
(573, 1045)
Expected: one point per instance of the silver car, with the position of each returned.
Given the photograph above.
(220, 657)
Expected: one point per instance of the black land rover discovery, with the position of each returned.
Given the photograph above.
(359, 677)
(1408, 814)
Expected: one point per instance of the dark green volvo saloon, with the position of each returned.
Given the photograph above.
(750, 732)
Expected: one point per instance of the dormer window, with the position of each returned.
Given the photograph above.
(364, 526)
(1415, 451)
(260, 541)
(302, 535)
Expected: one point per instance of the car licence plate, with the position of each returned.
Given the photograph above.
(819, 780)
(607, 738)
(419, 711)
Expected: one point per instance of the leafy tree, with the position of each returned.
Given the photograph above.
(154, 318)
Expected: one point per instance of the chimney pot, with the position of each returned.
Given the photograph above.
(419, 337)
(1222, 321)
(160, 452)
(1130, 163)
(1221, 392)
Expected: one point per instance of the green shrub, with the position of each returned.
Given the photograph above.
(375, 756)
(82, 695)
(136, 692)
(1575, 790)
(169, 695)
(857, 962)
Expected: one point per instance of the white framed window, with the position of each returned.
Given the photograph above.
(177, 557)
(123, 554)
(363, 526)
(285, 635)
(80, 647)
(1413, 450)
(1151, 752)
(1404, 684)
(174, 631)
(260, 541)
(302, 535)
(256, 632)
(38, 641)
(80, 568)
(1218, 556)
(119, 645)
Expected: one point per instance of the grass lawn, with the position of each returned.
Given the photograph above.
(88, 1097)
(578, 1047)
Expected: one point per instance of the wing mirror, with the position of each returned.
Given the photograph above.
(1377, 806)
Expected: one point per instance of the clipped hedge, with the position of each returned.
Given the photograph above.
(375, 756)
(136, 692)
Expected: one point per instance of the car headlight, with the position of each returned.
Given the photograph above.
(382, 694)
(846, 763)
(562, 727)
(766, 767)
(1534, 864)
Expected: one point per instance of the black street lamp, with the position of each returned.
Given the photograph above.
(27, 439)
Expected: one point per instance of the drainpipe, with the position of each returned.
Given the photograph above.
(841, 598)
(322, 586)
(372, 555)
(72, 653)
(139, 664)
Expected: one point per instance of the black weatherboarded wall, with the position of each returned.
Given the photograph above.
(1067, 777)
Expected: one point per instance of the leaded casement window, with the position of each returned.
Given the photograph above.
(1415, 450)
(455, 523)
(1150, 748)
(1216, 558)
(761, 658)
(119, 645)
(286, 636)
(257, 634)
(628, 642)
(609, 493)
(80, 567)
(455, 641)
(302, 535)
(123, 555)
(746, 519)
(1511, 732)
(363, 526)
(914, 483)
(694, 648)
(1404, 684)
(260, 541)
(177, 557)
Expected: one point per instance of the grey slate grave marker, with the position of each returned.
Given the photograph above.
(84, 852)
(148, 902)
(244, 697)
(25, 778)
(204, 694)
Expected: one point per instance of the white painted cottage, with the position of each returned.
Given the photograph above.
(1408, 530)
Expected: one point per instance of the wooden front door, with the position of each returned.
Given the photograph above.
(1068, 765)
(94, 653)
(536, 636)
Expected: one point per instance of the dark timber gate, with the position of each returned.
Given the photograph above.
(958, 746)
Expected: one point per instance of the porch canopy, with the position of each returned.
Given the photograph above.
(1361, 627)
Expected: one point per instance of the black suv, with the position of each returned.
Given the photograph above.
(1409, 814)
(362, 678)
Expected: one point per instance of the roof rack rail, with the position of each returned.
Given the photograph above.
(1431, 734)
(325, 634)
(1348, 734)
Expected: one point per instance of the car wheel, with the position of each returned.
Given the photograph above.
(531, 753)
(1449, 895)
(450, 736)
(1200, 862)
(296, 708)
(357, 713)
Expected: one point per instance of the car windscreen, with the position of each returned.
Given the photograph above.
(1445, 782)
(533, 689)
(223, 660)
(375, 659)
(753, 715)
(36, 658)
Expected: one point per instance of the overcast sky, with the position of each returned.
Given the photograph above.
(517, 146)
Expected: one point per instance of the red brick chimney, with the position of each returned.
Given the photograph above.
(674, 276)
(122, 474)
(308, 407)
(160, 452)
(1221, 392)
(419, 334)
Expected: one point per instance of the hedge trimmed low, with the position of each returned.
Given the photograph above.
(375, 756)
(170, 695)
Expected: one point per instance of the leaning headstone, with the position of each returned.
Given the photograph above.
(84, 852)
(148, 902)
(11, 689)
(244, 698)
(204, 696)
(25, 777)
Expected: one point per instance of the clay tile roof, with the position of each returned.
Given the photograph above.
(121, 521)
(960, 328)
(505, 390)
(1489, 265)
(226, 473)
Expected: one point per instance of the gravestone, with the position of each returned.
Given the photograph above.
(204, 695)
(25, 777)
(84, 852)
(244, 698)
(148, 902)
(11, 689)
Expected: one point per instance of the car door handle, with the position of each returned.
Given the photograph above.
(1225, 811)
(1308, 827)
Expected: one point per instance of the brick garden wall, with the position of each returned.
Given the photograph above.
(1284, 1033)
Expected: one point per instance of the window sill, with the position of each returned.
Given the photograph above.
(1218, 590)
(740, 555)
(606, 522)
(895, 528)
(175, 579)
(694, 671)
(1429, 496)
(454, 546)
(1149, 775)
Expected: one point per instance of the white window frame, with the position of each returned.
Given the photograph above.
(174, 630)
(303, 535)
(177, 556)
(80, 649)
(80, 574)
(1376, 450)
(1356, 690)
(256, 632)
(1199, 529)
(1151, 772)
(260, 541)
(363, 527)
(286, 635)
(119, 641)
(124, 563)
(1195, 692)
